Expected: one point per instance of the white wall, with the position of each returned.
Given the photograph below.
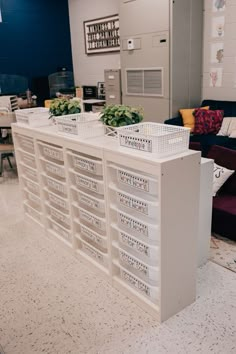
(225, 88)
(89, 69)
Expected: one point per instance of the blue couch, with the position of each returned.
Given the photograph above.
(206, 141)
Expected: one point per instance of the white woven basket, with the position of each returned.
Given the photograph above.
(84, 125)
(156, 138)
(35, 117)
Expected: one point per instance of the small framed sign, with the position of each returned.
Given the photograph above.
(102, 35)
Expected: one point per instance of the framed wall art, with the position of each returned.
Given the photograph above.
(102, 35)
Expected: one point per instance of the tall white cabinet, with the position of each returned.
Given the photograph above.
(161, 55)
(131, 217)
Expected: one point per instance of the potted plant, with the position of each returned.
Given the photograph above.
(120, 115)
(62, 106)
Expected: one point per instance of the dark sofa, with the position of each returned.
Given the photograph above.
(224, 203)
(206, 141)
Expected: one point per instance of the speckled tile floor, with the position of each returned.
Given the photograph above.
(51, 303)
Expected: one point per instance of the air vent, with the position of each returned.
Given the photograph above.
(145, 82)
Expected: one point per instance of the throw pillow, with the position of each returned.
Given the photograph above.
(207, 121)
(225, 126)
(188, 117)
(232, 128)
(220, 176)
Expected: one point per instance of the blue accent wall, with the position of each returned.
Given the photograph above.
(34, 37)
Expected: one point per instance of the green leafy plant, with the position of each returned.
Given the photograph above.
(120, 115)
(61, 107)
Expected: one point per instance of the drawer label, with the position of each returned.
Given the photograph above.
(52, 153)
(54, 170)
(133, 181)
(135, 283)
(93, 253)
(134, 244)
(90, 219)
(125, 258)
(87, 183)
(88, 201)
(89, 234)
(133, 224)
(132, 203)
(84, 164)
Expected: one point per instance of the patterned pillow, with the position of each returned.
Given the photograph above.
(207, 121)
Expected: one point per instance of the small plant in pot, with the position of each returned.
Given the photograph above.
(61, 107)
(120, 115)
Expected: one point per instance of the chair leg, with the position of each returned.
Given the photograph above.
(9, 161)
(1, 164)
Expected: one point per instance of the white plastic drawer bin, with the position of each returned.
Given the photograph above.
(85, 200)
(29, 172)
(90, 165)
(55, 186)
(58, 229)
(53, 169)
(31, 186)
(28, 159)
(26, 143)
(59, 217)
(136, 181)
(91, 219)
(33, 199)
(92, 236)
(57, 202)
(35, 214)
(132, 203)
(88, 183)
(51, 152)
(156, 138)
(146, 272)
(150, 292)
(137, 228)
(94, 253)
(143, 251)
(34, 117)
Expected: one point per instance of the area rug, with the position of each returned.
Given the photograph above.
(223, 252)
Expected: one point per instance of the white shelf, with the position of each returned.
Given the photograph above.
(133, 218)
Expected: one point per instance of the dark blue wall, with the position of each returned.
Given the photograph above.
(34, 37)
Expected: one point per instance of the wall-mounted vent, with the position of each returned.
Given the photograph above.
(144, 82)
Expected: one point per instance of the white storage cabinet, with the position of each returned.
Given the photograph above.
(130, 216)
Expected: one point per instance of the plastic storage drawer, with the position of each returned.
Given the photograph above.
(86, 216)
(146, 272)
(59, 203)
(33, 199)
(60, 230)
(29, 172)
(146, 253)
(26, 143)
(53, 169)
(94, 253)
(87, 164)
(137, 228)
(92, 236)
(59, 217)
(135, 180)
(56, 186)
(51, 152)
(35, 214)
(86, 200)
(132, 203)
(88, 183)
(31, 186)
(149, 291)
(28, 159)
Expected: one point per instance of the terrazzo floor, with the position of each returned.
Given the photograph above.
(51, 303)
